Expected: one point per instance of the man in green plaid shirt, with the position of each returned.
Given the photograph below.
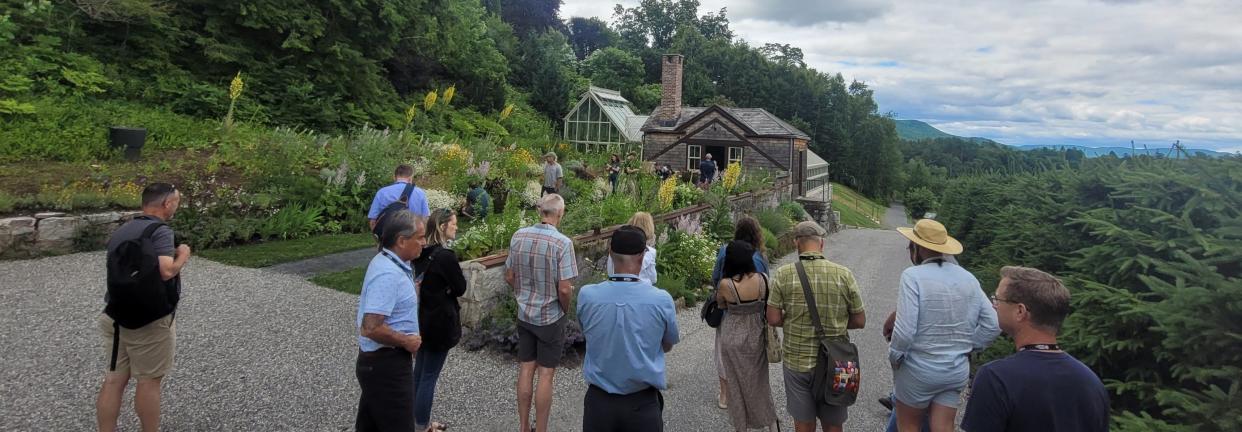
(840, 307)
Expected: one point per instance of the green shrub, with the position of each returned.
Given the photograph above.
(774, 220)
(687, 256)
(76, 129)
(920, 201)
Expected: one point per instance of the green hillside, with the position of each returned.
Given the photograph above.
(915, 130)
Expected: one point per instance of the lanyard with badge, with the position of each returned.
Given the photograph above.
(623, 279)
(408, 272)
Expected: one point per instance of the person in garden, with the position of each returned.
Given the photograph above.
(402, 189)
(478, 201)
(614, 171)
(707, 171)
(1040, 387)
(628, 324)
(388, 328)
(664, 172)
(553, 174)
(631, 168)
(942, 315)
(439, 319)
(839, 305)
(644, 222)
(540, 267)
(743, 339)
(749, 231)
(137, 324)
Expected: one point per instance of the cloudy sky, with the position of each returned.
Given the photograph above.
(1088, 72)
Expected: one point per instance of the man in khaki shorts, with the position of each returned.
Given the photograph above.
(144, 285)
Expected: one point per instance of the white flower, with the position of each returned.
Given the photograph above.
(531, 194)
(438, 199)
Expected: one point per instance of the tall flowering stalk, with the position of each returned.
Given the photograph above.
(448, 94)
(731, 176)
(668, 191)
(505, 113)
(410, 113)
(429, 101)
(235, 91)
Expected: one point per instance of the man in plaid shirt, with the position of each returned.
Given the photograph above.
(840, 307)
(540, 268)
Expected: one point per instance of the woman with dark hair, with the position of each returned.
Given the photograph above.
(438, 312)
(614, 171)
(742, 292)
(748, 231)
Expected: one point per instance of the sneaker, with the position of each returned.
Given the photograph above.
(887, 402)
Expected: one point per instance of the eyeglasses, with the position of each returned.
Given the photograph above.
(998, 299)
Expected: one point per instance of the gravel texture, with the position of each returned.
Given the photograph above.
(266, 351)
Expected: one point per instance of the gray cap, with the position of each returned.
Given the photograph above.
(807, 229)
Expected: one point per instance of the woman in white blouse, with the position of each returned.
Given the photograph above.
(643, 221)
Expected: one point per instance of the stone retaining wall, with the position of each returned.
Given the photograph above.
(51, 233)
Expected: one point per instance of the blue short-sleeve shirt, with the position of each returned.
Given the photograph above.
(388, 290)
(626, 324)
(392, 193)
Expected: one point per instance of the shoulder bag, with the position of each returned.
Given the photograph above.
(837, 375)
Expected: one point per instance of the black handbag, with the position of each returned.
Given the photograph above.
(837, 375)
(711, 312)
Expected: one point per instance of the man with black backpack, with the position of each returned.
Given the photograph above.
(144, 286)
(402, 193)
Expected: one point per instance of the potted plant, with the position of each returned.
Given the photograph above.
(130, 138)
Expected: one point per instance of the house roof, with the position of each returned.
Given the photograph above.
(619, 111)
(758, 120)
(813, 160)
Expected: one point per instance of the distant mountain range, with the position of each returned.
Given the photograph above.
(914, 130)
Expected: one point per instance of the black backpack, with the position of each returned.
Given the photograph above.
(400, 203)
(137, 292)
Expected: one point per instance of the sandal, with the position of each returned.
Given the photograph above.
(720, 401)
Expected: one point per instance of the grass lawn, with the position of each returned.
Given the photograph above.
(850, 216)
(349, 281)
(860, 207)
(283, 251)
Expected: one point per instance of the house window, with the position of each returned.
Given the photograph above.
(694, 153)
(735, 155)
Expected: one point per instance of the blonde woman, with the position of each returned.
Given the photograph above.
(644, 222)
(439, 319)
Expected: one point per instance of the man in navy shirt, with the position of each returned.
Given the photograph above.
(629, 325)
(1041, 387)
(707, 170)
(392, 193)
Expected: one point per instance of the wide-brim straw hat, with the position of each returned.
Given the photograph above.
(932, 235)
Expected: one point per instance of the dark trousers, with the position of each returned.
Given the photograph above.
(427, 368)
(641, 411)
(386, 377)
(547, 190)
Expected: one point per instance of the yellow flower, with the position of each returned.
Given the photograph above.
(731, 175)
(456, 152)
(410, 113)
(235, 87)
(523, 157)
(668, 190)
(429, 100)
(504, 114)
(448, 94)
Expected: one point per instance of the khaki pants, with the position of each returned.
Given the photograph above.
(145, 352)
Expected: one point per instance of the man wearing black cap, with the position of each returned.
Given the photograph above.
(629, 325)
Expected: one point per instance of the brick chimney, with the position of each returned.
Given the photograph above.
(670, 90)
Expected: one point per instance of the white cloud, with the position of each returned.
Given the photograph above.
(1089, 71)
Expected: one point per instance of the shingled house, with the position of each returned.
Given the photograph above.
(679, 136)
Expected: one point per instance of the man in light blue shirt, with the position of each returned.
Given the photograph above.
(629, 325)
(387, 324)
(402, 177)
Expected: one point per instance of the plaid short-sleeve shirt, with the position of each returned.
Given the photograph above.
(540, 257)
(836, 296)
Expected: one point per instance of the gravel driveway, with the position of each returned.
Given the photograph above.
(263, 351)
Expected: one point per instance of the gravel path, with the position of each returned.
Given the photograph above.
(260, 350)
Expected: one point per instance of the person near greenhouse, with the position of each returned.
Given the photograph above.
(628, 325)
(401, 190)
(742, 292)
(478, 201)
(614, 171)
(643, 221)
(707, 171)
(631, 168)
(439, 314)
(942, 315)
(540, 268)
(553, 175)
(1040, 387)
(388, 328)
(747, 230)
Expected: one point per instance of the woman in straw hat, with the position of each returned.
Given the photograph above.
(942, 315)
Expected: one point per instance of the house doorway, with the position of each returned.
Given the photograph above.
(719, 155)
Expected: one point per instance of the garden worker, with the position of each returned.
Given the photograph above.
(644, 222)
(628, 324)
(942, 315)
(478, 201)
(439, 319)
(388, 331)
(540, 268)
(839, 305)
(140, 339)
(553, 175)
(747, 230)
(1041, 387)
(707, 171)
(614, 171)
(631, 168)
(402, 187)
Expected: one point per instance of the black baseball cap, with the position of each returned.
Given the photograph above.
(628, 240)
